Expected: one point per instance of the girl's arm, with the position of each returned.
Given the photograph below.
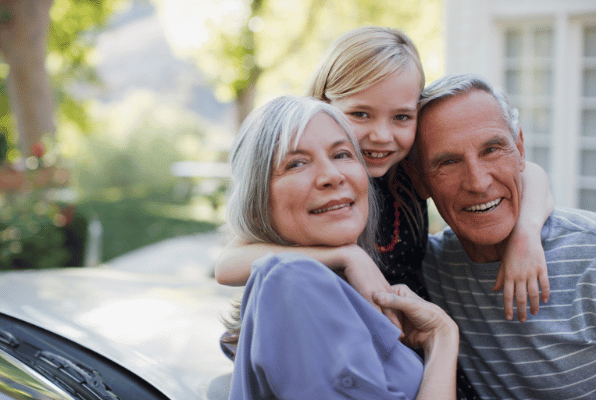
(523, 268)
(234, 266)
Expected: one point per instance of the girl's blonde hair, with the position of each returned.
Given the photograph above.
(357, 60)
(360, 58)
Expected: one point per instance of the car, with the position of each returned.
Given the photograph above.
(113, 332)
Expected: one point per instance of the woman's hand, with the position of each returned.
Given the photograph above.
(428, 326)
(424, 324)
(363, 274)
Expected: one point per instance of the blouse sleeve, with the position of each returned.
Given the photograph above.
(307, 334)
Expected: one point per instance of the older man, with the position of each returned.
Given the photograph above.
(470, 152)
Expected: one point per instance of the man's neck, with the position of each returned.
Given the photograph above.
(483, 253)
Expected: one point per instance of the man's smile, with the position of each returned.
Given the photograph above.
(491, 205)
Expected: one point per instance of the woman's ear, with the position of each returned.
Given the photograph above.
(413, 172)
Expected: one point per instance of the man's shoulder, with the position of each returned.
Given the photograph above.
(444, 239)
(570, 219)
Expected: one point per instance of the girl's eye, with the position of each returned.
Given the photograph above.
(359, 114)
(402, 117)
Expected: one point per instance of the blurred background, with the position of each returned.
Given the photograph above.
(116, 116)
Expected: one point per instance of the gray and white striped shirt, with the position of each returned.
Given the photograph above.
(550, 356)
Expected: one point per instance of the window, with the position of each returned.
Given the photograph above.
(528, 80)
(587, 142)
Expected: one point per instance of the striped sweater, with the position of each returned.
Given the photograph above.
(550, 356)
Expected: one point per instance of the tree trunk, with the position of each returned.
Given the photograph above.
(24, 26)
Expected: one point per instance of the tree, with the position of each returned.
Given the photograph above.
(23, 35)
(271, 45)
(29, 31)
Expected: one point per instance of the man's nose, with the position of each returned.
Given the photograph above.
(477, 178)
(328, 175)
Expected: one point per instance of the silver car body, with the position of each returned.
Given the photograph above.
(164, 328)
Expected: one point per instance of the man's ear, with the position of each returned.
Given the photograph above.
(520, 147)
(416, 177)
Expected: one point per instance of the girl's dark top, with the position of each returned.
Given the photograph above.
(404, 263)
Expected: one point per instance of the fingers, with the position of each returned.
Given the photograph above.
(544, 285)
(521, 300)
(394, 316)
(508, 291)
(534, 294)
(500, 280)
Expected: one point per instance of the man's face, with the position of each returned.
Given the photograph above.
(472, 169)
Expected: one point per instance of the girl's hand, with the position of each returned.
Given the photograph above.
(523, 272)
(424, 323)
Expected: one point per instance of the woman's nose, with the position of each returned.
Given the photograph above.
(328, 175)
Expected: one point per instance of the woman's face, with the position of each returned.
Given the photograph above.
(383, 118)
(319, 193)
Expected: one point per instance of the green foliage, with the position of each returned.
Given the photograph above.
(128, 224)
(277, 43)
(29, 233)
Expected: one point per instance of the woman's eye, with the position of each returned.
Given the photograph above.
(402, 117)
(295, 164)
(344, 154)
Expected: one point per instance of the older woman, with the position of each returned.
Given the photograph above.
(299, 180)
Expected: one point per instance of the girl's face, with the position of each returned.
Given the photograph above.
(319, 192)
(383, 117)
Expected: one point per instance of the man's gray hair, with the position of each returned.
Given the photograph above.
(456, 85)
(264, 139)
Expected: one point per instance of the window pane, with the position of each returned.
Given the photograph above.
(543, 82)
(543, 42)
(590, 41)
(541, 156)
(513, 82)
(588, 162)
(513, 44)
(590, 83)
(541, 121)
(589, 123)
(587, 199)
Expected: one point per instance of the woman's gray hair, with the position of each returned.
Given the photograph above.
(264, 139)
(456, 85)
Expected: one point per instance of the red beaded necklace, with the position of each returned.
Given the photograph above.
(395, 238)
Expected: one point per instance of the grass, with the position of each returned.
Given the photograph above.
(128, 224)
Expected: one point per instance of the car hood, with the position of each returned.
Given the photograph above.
(165, 329)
